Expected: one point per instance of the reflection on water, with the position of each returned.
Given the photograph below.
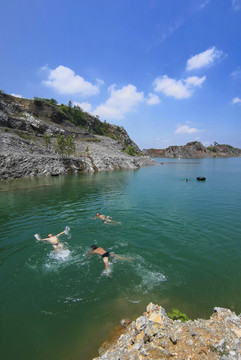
(181, 240)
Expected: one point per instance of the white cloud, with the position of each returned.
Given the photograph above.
(236, 5)
(45, 68)
(84, 105)
(185, 129)
(120, 102)
(65, 81)
(153, 99)
(194, 81)
(180, 89)
(203, 59)
(236, 100)
(204, 4)
(236, 74)
(171, 29)
(16, 95)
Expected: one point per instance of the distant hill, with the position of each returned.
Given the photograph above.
(195, 149)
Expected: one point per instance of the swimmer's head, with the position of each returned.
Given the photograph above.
(97, 214)
(50, 235)
(94, 247)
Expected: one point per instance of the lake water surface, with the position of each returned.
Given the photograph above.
(184, 239)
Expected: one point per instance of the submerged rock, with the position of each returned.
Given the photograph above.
(155, 336)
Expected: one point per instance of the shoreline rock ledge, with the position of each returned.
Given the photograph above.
(155, 336)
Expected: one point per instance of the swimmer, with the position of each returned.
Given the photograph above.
(105, 255)
(105, 219)
(53, 240)
(100, 251)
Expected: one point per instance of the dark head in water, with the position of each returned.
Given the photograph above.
(94, 247)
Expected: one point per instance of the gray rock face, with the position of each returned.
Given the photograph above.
(194, 150)
(23, 151)
(155, 336)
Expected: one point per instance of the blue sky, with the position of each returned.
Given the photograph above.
(168, 71)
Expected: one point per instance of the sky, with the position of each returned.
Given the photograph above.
(169, 72)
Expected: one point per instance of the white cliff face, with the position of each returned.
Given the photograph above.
(155, 336)
(21, 157)
(23, 151)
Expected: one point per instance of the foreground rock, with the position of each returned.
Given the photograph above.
(155, 336)
(195, 150)
(29, 131)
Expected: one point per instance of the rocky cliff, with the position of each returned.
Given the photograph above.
(155, 336)
(39, 137)
(195, 149)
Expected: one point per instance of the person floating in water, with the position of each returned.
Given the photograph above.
(102, 252)
(105, 219)
(54, 239)
(106, 255)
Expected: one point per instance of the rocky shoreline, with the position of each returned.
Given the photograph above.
(25, 125)
(155, 336)
(22, 158)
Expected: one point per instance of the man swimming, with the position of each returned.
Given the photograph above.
(105, 219)
(106, 255)
(53, 240)
(100, 251)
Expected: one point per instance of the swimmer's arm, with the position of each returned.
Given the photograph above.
(44, 239)
(91, 252)
(63, 232)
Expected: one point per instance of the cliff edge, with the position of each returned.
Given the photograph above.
(155, 336)
(40, 137)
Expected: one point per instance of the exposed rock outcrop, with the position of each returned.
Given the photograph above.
(28, 132)
(155, 336)
(194, 149)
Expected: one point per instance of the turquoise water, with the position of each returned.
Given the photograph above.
(183, 238)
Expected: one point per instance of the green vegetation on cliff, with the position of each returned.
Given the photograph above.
(178, 315)
(78, 117)
(64, 145)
